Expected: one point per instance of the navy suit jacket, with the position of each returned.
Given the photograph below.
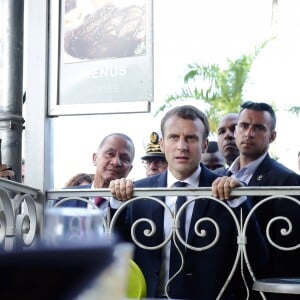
(272, 173)
(204, 272)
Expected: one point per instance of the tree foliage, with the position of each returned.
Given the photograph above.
(221, 89)
(295, 110)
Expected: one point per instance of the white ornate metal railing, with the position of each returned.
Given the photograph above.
(174, 232)
(21, 218)
(21, 211)
(288, 285)
(241, 222)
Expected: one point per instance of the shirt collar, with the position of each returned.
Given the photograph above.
(235, 166)
(193, 180)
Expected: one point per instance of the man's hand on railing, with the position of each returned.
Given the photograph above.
(6, 172)
(222, 187)
(121, 189)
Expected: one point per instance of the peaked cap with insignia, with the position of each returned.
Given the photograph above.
(153, 148)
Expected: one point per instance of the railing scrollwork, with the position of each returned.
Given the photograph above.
(174, 232)
(19, 216)
(22, 207)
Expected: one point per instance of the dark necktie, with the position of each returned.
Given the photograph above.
(175, 260)
(99, 201)
(228, 173)
(179, 202)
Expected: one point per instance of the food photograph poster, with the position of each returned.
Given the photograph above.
(104, 51)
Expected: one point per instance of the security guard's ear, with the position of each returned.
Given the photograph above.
(272, 136)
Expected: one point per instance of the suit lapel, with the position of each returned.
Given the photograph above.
(260, 175)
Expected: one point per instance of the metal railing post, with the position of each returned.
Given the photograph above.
(11, 82)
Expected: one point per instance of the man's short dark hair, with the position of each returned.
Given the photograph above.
(212, 147)
(188, 112)
(261, 106)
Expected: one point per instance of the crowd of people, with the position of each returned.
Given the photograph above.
(212, 158)
(181, 157)
(185, 133)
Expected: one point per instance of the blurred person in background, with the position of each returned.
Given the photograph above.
(80, 179)
(212, 158)
(6, 172)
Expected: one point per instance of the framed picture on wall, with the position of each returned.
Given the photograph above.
(100, 56)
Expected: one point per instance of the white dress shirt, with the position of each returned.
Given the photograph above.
(192, 181)
(243, 174)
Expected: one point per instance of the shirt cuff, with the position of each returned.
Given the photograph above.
(114, 203)
(237, 201)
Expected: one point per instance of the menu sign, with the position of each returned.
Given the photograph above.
(104, 52)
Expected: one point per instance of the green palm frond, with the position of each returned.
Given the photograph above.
(221, 89)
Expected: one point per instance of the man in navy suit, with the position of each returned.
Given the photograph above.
(113, 160)
(184, 138)
(254, 133)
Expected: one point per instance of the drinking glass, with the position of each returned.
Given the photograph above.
(70, 226)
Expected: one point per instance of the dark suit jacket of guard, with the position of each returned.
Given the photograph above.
(204, 272)
(272, 173)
